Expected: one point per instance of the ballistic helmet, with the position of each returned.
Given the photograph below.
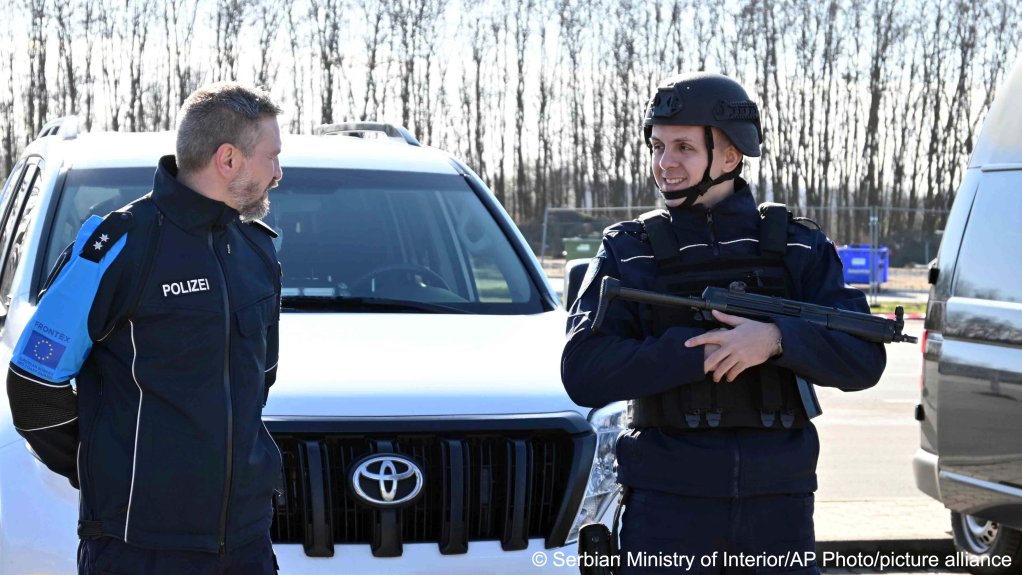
(707, 100)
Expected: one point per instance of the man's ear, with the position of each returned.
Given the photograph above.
(732, 157)
(227, 160)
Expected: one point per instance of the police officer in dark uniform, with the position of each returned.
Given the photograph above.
(720, 463)
(166, 313)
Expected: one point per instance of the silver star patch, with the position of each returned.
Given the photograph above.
(103, 238)
(97, 246)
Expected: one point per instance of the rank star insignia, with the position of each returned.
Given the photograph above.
(97, 246)
(103, 238)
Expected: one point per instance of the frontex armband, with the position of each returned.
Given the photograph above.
(56, 340)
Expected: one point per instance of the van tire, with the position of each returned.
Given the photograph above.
(982, 540)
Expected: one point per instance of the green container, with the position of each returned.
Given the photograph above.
(575, 248)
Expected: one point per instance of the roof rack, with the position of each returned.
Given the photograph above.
(66, 127)
(358, 129)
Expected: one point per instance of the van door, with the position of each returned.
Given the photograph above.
(980, 365)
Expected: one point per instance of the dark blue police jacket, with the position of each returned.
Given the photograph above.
(167, 319)
(621, 363)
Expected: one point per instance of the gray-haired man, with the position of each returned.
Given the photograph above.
(170, 308)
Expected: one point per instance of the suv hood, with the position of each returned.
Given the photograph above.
(396, 364)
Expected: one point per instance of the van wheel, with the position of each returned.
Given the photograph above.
(984, 540)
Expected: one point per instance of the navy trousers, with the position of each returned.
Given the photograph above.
(111, 556)
(664, 533)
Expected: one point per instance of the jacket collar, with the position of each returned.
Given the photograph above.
(184, 206)
(739, 203)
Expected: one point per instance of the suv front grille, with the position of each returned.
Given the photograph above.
(508, 485)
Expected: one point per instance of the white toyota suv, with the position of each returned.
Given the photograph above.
(418, 403)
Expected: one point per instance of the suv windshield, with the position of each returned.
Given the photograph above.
(356, 240)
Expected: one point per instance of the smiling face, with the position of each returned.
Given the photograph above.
(679, 160)
(249, 191)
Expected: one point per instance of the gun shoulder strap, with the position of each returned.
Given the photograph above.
(666, 250)
(773, 231)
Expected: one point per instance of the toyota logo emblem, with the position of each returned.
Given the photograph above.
(386, 480)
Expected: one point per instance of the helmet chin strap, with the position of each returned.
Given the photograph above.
(691, 194)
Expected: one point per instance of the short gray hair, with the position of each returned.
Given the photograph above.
(217, 114)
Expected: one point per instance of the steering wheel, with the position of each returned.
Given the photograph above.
(405, 272)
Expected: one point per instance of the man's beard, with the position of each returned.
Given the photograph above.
(252, 202)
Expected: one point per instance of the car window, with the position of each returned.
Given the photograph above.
(24, 201)
(988, 263)
(395, 235)
(356, 234)
(12, 179)
(92, 192)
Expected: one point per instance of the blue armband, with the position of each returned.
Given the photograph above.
(56, 340)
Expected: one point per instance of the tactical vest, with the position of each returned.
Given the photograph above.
(762, 396)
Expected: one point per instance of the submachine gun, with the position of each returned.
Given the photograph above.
(735, 301)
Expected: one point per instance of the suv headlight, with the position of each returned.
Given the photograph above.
(608, 422)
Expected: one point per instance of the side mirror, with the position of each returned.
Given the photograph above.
(574, 273)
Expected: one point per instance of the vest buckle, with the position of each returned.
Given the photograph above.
(788, 418)
(767, 418)
(692, 417)
(713, 417)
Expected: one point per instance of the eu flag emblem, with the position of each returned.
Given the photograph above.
(44, 350)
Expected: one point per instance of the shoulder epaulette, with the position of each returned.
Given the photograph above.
(773, 231)
(628, 227)
(115, 225)
(261, 225)
(806, 222)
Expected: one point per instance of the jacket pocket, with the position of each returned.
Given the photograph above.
(254, 318)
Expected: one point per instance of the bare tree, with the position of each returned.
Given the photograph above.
(182, 78)
(268, 16)
(936, 45)
(67, 83)
(885, 30)
(112, 21)
(499, 114)
(544, 133)
(523, 184)
(8, 137)
(863, 103)
(298, 91)
(230, 18)
(573, 15)
(473, 96)
(374, 38)
(427, 69)
(326, 16)
(88, 24)
(414, 22)
(37, 97)
(138, 34)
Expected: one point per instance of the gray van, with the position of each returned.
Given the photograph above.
(970, 456)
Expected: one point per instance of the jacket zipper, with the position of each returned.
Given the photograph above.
(713, 237)
(227, 396)
(735, 490)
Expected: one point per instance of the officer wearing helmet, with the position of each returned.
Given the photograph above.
(721, 455)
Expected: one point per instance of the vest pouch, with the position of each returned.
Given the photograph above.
(760, 397)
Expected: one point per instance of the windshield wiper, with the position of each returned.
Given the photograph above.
(346, 303)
